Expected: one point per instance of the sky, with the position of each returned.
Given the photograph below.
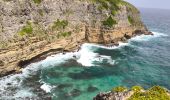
(163, 4)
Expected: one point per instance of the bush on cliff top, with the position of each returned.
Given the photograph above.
(154, 93)
(137, 88)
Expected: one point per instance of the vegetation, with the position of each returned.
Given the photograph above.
(112, 6)
(119, 89)
(131, 20)
(130, 7)
(108, 4)
(59, 24)
(153, 93)
(37, 1)
(26, 30)
(109, 22)
(65, 34)
(137, 88)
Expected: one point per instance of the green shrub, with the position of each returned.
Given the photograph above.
(109, 22)
(137, 88)
(154, 93)
(65, 34)
(60, 24)
(130, 19)
(119, 89)
(26, 30)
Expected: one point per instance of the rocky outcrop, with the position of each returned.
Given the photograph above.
(30, 30)
(135, 93)
(113, 96)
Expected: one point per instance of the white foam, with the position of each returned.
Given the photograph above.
(24, 93)
(88, 57)
(16, 80)
(148, 37)
(47, 88)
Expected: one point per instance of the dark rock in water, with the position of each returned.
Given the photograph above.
(127, 36)
(74, 56)
(123, 39)
(61, 86)
(116, 44)
(92, 89)
(9, 84)
(138, 32)
(111, 96)
(75, 92)
(150, 33)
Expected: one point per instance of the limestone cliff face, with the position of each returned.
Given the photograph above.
(31, 28)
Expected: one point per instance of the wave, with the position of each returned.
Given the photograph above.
(148, 37)
(47, 88)
(88, 57)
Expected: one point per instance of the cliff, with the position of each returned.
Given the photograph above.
(30, 30)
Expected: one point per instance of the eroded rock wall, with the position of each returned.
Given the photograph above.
(83, 23)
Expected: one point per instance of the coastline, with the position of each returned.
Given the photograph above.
(74, 48)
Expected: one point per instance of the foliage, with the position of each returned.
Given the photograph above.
(60, 24)
(37, 1)
(26, 30)
(154, 93)
(130, 19)
(108, 4)
(137, 88)
(130, 7)
(65, 34)
(119, 89)
(109, 22)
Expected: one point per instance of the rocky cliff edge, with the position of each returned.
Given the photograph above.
(30, 30)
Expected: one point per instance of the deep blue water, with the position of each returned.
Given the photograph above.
(144, 61)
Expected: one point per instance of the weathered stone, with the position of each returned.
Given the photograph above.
(84, 22)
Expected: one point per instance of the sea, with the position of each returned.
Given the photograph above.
(143, 60)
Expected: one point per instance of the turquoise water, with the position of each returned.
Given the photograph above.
(143, 61)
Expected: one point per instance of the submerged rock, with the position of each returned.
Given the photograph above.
(92, 89)
(75, 92)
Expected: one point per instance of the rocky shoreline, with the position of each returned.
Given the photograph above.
(75, 46)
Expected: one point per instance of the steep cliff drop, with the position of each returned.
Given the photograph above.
(30, 30)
